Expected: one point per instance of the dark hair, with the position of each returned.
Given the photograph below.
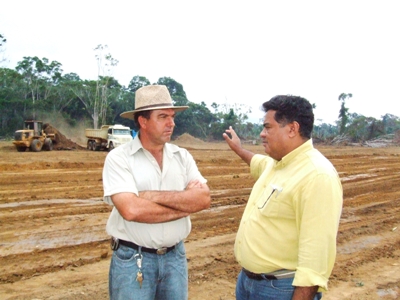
(292, 108)
(144, 113)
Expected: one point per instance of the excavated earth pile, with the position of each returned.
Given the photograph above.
(61, 142)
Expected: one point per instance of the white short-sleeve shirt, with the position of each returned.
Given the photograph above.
(130, 169)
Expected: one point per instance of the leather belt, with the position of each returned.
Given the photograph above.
(159, 251)
(280, 274)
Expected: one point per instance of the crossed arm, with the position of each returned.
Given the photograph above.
(163, 206)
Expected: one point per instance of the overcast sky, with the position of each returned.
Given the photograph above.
(229, 51)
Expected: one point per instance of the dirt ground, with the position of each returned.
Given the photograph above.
(53, 243)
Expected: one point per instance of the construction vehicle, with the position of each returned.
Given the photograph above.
(107, 137)
(33, 137)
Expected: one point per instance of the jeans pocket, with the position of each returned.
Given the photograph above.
(180, 250)
(283, 285)
(124, 253)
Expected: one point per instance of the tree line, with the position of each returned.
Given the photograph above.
(356, 127)
(38, 89)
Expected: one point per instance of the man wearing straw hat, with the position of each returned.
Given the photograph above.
(154, 186)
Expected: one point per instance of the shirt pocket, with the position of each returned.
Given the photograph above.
(279, 206)
(269, 202)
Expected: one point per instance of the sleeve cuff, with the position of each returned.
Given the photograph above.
(308, 277)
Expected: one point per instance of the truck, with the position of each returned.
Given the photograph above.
(107, 137)
(33, 137)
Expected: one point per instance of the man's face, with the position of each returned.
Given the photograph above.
(160, 126)
(274, 136)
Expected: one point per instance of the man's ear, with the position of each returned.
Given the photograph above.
(294, 129)
(142, 121)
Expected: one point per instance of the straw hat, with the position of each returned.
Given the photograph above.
(151, 97)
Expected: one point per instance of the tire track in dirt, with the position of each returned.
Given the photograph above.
(72, 259)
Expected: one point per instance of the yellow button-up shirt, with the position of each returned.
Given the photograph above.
(292, 216)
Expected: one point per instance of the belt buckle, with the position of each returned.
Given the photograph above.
(162, 251)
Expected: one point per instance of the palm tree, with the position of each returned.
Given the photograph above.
(343, 113)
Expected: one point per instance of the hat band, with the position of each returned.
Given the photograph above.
(155, 105)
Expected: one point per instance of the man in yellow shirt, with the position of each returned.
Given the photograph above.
(286, 242)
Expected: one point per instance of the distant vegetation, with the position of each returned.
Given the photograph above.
(38, 89)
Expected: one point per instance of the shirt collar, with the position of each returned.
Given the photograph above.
(306, 146)
(136, 145)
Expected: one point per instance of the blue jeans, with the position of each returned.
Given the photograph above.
(165, 277)
(281, 289)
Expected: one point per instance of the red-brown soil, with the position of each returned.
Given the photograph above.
(53, 243)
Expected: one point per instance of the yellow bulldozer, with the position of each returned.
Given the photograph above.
(33, 137)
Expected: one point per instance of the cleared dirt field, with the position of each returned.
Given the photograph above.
(53, 243)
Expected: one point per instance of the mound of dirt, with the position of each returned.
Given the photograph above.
(61, 142)
(188, 139)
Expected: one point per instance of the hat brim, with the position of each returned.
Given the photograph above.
(131, 114)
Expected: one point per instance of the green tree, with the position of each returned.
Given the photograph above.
(195, 120)
(3, 40)
(343, 113)
(125, 102)
(63, 94)
(137, 82)
(391, 123)
(112, 93)
(235, 115)
(40, 77)
(325, 131)
(215, 106)
(97, 96)
(86, 93)
(223, 121)
(361, 128)
(176, 90)
(375, 128)
(106, 64)
(12, 104)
